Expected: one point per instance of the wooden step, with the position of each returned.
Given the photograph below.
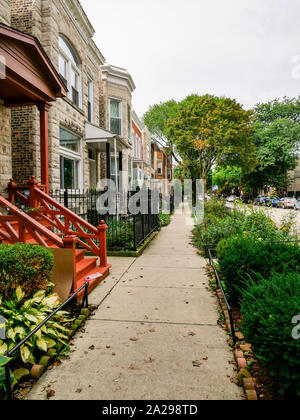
(93, 283)
(85, 266)
(79, 254)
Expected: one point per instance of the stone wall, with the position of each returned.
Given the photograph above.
(5, 147)
(46, 20)
(5, 11)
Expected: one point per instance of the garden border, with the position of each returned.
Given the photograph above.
(38, 369)
(244, 376)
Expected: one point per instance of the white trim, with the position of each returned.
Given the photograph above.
(121, 117)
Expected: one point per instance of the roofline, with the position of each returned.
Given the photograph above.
(32, 40)
(120, 73)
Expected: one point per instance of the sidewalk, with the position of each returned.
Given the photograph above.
(156, 318)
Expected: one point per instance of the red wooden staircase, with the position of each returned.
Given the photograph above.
(50, 224)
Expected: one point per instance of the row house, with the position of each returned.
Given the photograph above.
(141, 153)
(89, 129)
(162, 167)
(94, 133)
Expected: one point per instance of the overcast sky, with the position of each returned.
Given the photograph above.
(238, 48)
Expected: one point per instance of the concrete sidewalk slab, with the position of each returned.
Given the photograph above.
(163, 305)
(165, 277)
(158, 365)
(156, 318)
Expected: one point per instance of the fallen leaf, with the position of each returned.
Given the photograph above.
(50, 393)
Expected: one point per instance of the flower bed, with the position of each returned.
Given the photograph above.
(261, 278)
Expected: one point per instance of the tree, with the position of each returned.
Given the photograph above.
(276, 137)
(209, 131)
(156, 119)
(227, 178)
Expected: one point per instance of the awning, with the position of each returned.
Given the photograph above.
(29, 76)
(97, 138)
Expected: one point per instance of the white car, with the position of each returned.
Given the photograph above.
(288, 203)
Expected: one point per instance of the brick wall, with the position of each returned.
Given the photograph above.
(5, 11)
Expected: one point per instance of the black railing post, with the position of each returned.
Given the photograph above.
(66, 198)
(134, 232)
(7, 382)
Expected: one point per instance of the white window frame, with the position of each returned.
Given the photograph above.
(71, 65)
(77, 156)
(91, 86)
(121, 112)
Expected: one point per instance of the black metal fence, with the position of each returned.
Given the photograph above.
(126, 231)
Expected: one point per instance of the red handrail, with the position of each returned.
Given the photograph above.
(72, 225)
(25, 222)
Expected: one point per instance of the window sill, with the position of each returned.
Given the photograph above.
(75, 107)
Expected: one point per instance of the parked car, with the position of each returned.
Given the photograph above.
(297, 205)
(287, 203)
(232, 198)
(259, 201)
(270, 202)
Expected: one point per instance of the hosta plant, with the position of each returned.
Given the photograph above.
(23, 316)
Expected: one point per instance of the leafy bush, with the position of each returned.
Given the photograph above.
(120, 234)
(164, 219)
(269, 305)
(240, 256)
(25, 265)
(22, 316)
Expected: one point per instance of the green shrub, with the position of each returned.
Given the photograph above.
(25, 265)
(241, 256)
(269, 305)
(216, 207)
(164, 219)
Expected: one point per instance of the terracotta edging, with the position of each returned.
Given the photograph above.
(244, 375)
(39, 369)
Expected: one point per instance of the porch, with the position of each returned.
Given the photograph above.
(30, 79)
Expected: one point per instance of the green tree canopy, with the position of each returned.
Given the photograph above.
(209, 130)
(276, 137)
(227, 178)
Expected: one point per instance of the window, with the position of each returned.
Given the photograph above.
(90, 101)
(159, 167)
(115, 117)
(70, 160)
(69, 173)
(114, 170)
(69, 141)
(129, 120)
(69, 69)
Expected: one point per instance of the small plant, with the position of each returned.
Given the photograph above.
(164, 219)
